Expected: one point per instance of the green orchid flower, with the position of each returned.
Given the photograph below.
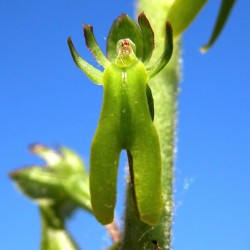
(126, 120)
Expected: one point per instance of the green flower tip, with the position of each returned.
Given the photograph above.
(124, 36)
(125, 50)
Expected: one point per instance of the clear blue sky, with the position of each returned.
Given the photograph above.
(45, 98)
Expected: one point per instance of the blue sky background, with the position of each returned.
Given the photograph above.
(45, 98)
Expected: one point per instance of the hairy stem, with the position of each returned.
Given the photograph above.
(164, 86)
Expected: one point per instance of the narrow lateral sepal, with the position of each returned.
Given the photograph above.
(166, 55)
(91, 72)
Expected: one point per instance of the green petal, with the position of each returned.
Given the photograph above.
(182, 13)
(124, 27)
(93, 46)
(147, 36)
(92, 73)
(225, 9)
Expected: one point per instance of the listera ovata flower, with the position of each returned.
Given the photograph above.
(126, 120)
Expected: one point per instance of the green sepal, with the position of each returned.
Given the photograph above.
(225, 9)
(91, 72)
(147, 36)
(182, 13)
(124, 27)
(63, 180)
(166, 55)
(93, 46)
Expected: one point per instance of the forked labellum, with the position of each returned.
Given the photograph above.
(126, 120)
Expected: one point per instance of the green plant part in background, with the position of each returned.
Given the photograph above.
(126, 120)
(59, 189)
